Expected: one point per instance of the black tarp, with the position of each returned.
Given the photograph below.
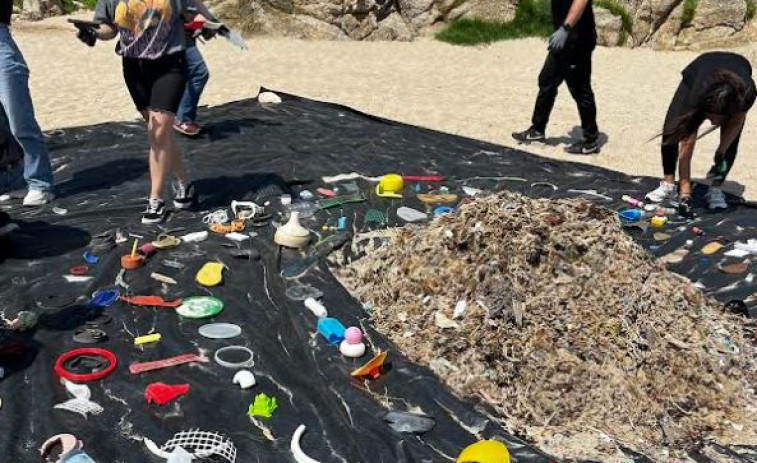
(251, 149)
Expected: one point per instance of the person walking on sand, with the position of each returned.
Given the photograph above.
(152, 49)
(17, 115)
(717, 87)
(197, 77)
(569, 61)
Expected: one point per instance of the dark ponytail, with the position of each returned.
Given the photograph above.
(724, 95)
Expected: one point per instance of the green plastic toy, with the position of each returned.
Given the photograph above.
(263, 406)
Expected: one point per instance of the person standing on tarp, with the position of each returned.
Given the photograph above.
(569, 61)
(154, 66)
(197, 77)
(17, 114)
(716, 86)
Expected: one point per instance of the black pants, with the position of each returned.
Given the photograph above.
(574, 68)
(156, 85)
(670, 148)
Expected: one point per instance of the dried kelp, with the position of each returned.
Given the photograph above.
(569, 328)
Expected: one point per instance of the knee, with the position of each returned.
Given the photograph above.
(161, 126)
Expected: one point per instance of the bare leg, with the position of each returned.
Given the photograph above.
(163, 152)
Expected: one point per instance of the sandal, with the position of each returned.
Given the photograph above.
(166, 242)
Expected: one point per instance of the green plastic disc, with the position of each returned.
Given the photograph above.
(200, 307)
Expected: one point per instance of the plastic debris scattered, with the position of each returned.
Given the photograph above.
(195, 237)
(90, 336)
(152, 301)
(735, 268)
(374, 217)
(577, 303)
(104, 298)
(409, 422)
(211, 274)
(318, 309)
(485, 451)
(302, 292)
(264, 406)
(159, 277)
(99, 370)
(161, 393)
(244, 379)
(332, 330)
(77, 391)
(201, 444)
(83, 407)
(147, 339)
(60, 211)
(237, 237)
(292, 234)
(200, 307)
(373, 368)
(711, 248)
(77, 278)
(220, 330)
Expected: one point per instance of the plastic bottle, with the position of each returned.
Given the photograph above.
(632, 201)
(318, 309)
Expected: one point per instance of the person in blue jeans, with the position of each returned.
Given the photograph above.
(197, 77)
(17, 115)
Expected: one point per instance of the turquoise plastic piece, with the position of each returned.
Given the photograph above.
(331, 329)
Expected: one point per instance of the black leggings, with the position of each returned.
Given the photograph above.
(678, 108)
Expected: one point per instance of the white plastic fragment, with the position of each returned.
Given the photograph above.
(408, 214)
(200, 444)
(460, 309)
(195, 237)
(60, 211)
(739, 253)
(77, 278)
(78, 391)
(318, 309)
(238, 237)
(299, 455)
(83, 407)
(269, 98)
(179, 455)
(244, 379)
(750, 246)
(470, 191)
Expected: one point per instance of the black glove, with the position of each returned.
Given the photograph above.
(87, 35)
(207, 34)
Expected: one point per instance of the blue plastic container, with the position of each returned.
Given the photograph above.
(630, 215)
(332, 330)
(104, 299)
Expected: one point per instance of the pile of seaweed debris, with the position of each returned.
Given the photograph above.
(548, 311)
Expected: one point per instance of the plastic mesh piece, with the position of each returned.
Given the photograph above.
(203, 444)
(80, 406)
(374, 216)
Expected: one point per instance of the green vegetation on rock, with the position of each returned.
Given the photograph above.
(751, 9)
(689, 11)
(532, 19)
(618, 10)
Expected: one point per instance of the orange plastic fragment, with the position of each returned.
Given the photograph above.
(372, 369)
(151, 301)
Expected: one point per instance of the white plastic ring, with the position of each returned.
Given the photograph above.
(249, 363)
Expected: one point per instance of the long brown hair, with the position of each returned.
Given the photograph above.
(723, 95)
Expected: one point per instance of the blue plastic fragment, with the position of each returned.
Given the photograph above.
(331, 329)
(442, 210)
(341, 224)
(90, 258)
(630, 215)
(104, 298)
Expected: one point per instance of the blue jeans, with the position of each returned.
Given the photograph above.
(77, 456)
(17, 113)
(197, 77)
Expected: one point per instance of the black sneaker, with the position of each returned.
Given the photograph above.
(583, 147)
(530, 135)
(184, 196)
(155, 212)
(684, 208)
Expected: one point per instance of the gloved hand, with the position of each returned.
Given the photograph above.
(87, 35)
(207, 34)
(559, 39)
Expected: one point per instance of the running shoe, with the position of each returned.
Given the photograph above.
(665, 192)
(530, 135)
(583, 147)
(155, 212)
(184, 195)
(716, 199)
(36, 198)
(189, 129)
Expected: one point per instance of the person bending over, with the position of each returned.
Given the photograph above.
(17, 114)
(569, 61)
(717, 87)
(151, 45)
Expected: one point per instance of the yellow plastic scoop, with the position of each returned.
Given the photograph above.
(211, 274)
(485, 451)
(712, 248)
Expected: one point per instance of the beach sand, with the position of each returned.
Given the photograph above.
(484, 92)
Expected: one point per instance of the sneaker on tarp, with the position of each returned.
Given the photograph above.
(155, 212)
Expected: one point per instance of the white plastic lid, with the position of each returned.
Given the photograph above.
(220, 330)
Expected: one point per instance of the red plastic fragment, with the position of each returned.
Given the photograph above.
(79, 270)
(423, 178)
(326, 192)
(151, 301)
(161, 393)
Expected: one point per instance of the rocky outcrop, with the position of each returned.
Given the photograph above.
(40, 9)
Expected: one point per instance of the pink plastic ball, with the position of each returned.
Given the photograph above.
(353, 335)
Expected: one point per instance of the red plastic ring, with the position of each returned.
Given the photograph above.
(79, 270)
(73, 377)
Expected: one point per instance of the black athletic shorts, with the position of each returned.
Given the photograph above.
(158, 84)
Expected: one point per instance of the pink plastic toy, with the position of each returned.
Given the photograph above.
(353, 335)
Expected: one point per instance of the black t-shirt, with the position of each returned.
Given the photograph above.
(6, 8)
(699, 74)
(585, 31)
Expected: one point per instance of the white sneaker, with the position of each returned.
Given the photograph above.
(664, 192)
(716, 199)
(38, 197)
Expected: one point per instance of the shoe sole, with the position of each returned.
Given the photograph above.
(188, 134)
(528, 142)
(153, 221)
(184, 206)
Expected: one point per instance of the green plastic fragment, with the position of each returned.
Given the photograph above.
(373, 216)
(263, 406)
(328, 203)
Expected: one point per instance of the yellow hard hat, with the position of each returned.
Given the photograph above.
(485, 451)
(390, 186)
